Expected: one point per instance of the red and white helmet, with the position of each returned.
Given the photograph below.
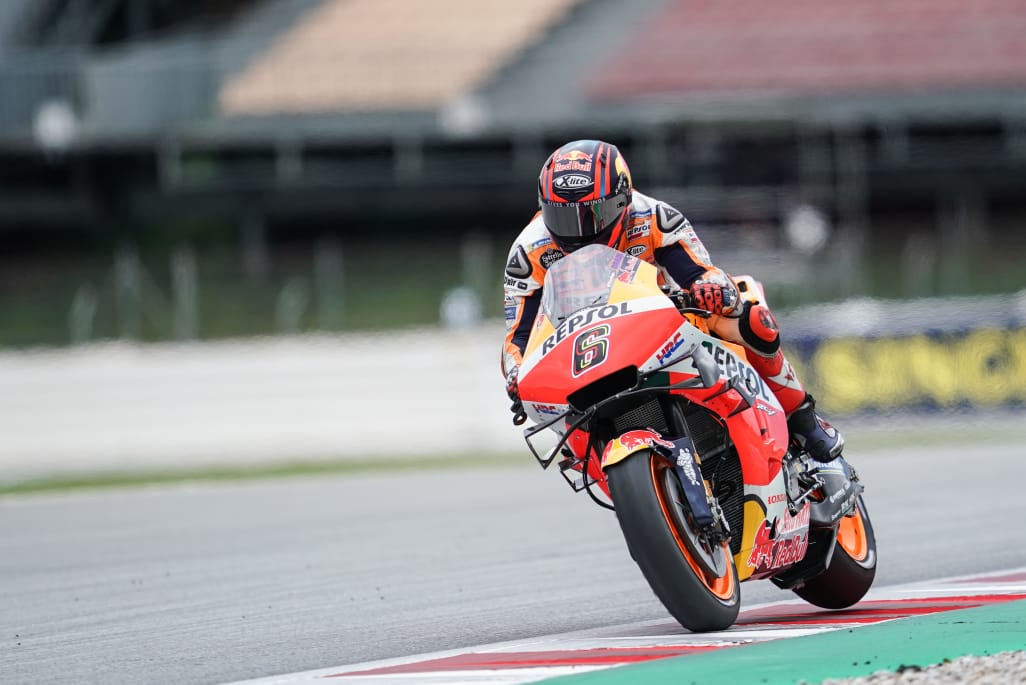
(585, 194)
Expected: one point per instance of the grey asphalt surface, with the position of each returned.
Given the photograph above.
(215, 583)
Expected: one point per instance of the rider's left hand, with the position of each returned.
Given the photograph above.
(716, 296)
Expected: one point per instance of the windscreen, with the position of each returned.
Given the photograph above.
(584, 278)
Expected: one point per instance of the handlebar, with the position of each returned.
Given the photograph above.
(684, 301)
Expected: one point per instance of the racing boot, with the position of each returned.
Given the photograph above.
(822, 441)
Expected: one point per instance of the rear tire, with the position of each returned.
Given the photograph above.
(667, 549)
(852, 567)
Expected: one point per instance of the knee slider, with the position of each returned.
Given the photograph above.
(759, 329)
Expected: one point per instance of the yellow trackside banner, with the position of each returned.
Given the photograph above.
(980, 368)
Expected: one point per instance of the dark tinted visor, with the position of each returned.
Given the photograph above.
(583, 221)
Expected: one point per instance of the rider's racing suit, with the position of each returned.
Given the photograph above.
(660, 235)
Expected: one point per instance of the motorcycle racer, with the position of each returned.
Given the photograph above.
(587, 197)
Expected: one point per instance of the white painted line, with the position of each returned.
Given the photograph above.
(616, 645)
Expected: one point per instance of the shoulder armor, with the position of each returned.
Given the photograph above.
(518, 265)
(668, 219)
(533, 247)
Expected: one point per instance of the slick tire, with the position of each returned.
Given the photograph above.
(852, 568)
(647, 497)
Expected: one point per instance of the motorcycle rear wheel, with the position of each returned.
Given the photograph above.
(852, 567)
(672, 556)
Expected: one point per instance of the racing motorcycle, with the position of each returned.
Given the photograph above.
(672, 429)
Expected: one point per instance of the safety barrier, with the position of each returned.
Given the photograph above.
(929, 354)
(131, 407)
(982, 368)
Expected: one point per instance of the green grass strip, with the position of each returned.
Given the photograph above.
(290, 469)
(861, 440)
(847, 653)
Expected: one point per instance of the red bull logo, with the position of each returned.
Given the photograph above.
(574, 160)
(635, 440)
(787, 547)
(576, 154)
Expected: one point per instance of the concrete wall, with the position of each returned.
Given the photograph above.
(127, 406)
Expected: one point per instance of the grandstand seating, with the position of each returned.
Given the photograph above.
(335, 59)
(817, 46)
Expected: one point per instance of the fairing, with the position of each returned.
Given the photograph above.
(600, 313)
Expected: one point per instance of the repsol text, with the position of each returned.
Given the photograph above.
(581, 319)
(732, 367)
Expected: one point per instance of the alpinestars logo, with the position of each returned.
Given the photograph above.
(591, 348)
(518, 265)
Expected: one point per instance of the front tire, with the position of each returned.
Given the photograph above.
(674, 559)
(852, 567)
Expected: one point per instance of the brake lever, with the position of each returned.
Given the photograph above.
(682, 299)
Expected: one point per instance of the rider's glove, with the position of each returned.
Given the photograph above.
(513, 390)
(715, 294)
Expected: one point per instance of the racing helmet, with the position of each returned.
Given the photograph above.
(585, 194)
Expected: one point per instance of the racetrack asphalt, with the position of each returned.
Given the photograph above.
(219, 582)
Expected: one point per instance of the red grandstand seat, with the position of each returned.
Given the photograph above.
(799, 46)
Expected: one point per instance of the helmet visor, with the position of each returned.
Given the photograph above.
(580, 222)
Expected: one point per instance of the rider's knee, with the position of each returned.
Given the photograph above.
(759, 329)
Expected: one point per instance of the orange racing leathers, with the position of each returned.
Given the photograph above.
(656, 233)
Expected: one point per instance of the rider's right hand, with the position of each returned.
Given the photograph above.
(513, 390)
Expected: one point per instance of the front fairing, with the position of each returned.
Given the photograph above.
(602, 311)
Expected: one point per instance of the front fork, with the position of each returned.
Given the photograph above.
(699, 502)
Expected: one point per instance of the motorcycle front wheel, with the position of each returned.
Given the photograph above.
(696, 581)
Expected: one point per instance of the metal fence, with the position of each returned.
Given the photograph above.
(194, 293)
(202, 292)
